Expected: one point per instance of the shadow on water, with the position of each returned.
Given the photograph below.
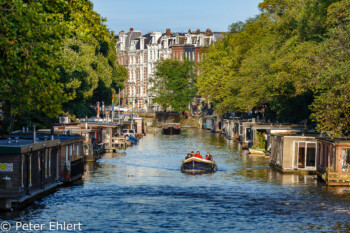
(143, 189)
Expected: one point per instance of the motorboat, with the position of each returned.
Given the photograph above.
(195, 164)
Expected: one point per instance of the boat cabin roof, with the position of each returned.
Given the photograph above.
(20, 146)
(171, 124)
(343, 141)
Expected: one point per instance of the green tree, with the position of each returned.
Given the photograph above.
(174, 84)
(56, 56)
(90, 69)
(272, 60)
(30, 38)
(331, 108)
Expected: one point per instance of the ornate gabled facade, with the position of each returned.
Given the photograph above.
(140, 53)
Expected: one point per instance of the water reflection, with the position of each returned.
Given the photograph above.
(144, 190)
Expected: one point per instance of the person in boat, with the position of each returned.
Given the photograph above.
(189, 155)
(209, 157)
(198, 155)
(192, 153)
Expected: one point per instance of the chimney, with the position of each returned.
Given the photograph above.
(189, 31)
(168, 32)
(131, 29)
(198, 31)
(208, 32)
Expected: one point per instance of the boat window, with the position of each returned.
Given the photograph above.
(311, 155)
(50, 151)
(46, 165)
(301, 155)
(248, 133)
(345, 160)
(30, 170)
(39, 161)
(22, 171)
(331, 158)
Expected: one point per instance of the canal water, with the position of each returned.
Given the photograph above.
(143, 190)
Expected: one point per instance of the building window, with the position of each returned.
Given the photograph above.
(78, 152)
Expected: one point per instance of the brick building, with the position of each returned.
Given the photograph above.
(140, 53)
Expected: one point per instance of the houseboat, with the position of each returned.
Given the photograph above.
(207, 123)
(70, 157)
(213, 123)
(130, 136)
(293, 153)
(247, 135)
(228, 128)
(238, 129)
(261, 133)
(171, 128)
(333, 161)
(29, 169)
(70, 153)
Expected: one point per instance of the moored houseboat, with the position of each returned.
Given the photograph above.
(29, 169)
(171, 128)
(333, 161)
(194, 164)
(70, 153)
(293, 153)
(130, 136)
(70, 157)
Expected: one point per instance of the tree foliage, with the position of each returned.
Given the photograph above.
(174, 84)
(30, 38)
(55, 56)
(292, 59)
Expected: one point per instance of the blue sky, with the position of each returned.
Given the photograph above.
(178, 15)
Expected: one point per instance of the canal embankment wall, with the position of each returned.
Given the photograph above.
(159, 118)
